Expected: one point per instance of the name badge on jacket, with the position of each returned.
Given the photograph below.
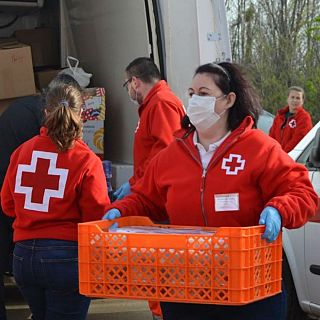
(226, 202)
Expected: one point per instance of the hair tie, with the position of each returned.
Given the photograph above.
(65, 103)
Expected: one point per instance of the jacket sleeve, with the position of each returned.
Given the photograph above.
(304, 125)
(164, 120)
(286, 186)
(93, 198)
(7, 202)
(146, 199)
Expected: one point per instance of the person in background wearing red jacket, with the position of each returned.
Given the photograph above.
(292, 122)
(160, 115)
(222, 171)
(53, 182)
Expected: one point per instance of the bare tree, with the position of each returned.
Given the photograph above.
(271, 38)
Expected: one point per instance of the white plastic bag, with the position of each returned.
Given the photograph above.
(82, 77)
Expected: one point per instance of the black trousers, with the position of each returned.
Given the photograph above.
(6, 249)
(273, 308)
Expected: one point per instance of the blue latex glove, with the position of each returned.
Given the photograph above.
(110, 215)
(122, 191)
(271, 218)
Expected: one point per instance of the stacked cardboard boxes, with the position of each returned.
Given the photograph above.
(16, 71)
(30, 49)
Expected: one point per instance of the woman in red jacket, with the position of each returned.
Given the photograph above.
(222, 171)
(292, 122)
(54, 181)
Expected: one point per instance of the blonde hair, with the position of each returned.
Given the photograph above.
(63, 115)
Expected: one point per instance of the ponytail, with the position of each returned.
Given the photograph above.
(63, 116)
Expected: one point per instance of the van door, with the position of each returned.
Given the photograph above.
(195, 32)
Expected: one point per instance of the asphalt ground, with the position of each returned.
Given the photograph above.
(100, 309)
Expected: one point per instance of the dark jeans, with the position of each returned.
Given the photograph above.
(273, 308)
(6, 247)
(46, 272)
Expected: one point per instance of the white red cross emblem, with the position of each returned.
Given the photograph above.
(233, 164)
(292, 123)
(40, 181)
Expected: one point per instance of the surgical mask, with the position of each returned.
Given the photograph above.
(134, 101)
(201, 112)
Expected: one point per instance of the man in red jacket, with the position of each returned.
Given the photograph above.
(160, 115)
(292, 122)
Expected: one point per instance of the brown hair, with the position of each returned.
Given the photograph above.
(144, 69)
(63, 115)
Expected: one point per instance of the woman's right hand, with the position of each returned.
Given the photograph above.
(110, 215)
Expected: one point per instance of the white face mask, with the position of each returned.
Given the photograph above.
(134, 101)
(201, 112)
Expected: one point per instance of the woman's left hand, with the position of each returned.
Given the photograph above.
(271, 218)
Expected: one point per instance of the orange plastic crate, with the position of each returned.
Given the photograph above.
(233, 266)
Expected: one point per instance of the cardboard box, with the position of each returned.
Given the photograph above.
(95, 104)
(93, 136)
(44, 77)
(16, 71)
(44, 45)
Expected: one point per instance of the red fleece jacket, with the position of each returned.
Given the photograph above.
(50, 192)
(296, 127)
(248, 172)
(160, 116)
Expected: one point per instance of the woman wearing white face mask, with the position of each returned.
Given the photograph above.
(222, 171)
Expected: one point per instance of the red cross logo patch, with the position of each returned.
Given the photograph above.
(292, 123)
(233, 164)
(41, 180)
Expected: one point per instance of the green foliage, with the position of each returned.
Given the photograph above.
(312, 98)
(314, 30)
(279, 43)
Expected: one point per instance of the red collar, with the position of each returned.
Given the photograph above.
(159, 86)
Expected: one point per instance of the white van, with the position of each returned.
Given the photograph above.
(301, 246)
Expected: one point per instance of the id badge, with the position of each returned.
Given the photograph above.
(226, 202)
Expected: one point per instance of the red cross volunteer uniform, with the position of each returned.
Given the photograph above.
(247, 172)
(289, 131)
(49, 193)
(160, 115)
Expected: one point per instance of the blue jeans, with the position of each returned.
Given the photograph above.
(46, 272)
(273, 308)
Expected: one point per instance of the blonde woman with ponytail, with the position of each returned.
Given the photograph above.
(54, 181)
